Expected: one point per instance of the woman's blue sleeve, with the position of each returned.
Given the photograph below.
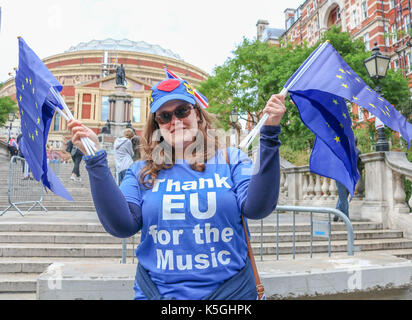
(257, 189)
(119, 217)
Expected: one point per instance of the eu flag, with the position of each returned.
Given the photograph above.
(319, 92)
(33, 84)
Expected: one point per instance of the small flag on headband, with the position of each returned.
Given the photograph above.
(201, 99)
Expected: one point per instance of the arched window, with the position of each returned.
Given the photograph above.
(105, 108)
(136, 109)
(56, 126)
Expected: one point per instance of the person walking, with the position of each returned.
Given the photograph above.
(77, 156)
(13, 147)
(123, 153)
(25, 167)
(187, 196)
(136, 147)
(343, 193)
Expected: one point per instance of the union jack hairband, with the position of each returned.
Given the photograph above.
(201, 99)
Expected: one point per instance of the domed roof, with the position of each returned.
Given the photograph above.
(124, 45)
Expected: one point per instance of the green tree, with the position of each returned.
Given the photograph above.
(257, 70)
(237, 83)
(248, 79)
(7, 105)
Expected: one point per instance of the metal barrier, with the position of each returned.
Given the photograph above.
(22, 188)
(318, 228)
(124, 241)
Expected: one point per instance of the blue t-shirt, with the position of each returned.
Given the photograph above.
(192, 238)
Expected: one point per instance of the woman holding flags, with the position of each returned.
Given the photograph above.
(187, 196)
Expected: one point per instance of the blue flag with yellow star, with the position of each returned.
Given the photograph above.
(334, 153)
(33, 84)
(319, 94)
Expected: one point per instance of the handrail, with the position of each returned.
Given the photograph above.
(340, 214)
(398, 162)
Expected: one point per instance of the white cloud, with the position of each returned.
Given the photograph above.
(203, 33)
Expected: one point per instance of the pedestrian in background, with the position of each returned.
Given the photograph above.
(343, 193)
(12, 146)
(25, 167)
(77, 156)
(123, 153)
(136, 147)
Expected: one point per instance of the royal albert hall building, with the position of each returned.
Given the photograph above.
(87, 74)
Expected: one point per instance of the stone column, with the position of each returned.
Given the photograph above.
(375, 205)
(111, 108)
(293, 177)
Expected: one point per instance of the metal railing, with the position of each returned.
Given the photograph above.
(318, 228)
(124, 241)
(22, 188)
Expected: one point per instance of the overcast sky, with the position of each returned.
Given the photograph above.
(202, 33)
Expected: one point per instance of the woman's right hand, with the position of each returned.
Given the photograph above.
(79, 131)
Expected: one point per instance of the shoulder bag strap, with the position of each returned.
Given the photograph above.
(259, 286)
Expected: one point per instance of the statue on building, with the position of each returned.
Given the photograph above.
(120, 75)
(106, 128)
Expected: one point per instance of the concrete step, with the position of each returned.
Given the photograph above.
(75, 193)
(58, 202)
(18, 282)
(72, 187)
(82, 226)
(17, 295)
(40, 264)
(55, 208)
(305, 227)
(62, 237)
(336, 246)
(335, 235)
(63, 250)
(401, 253)
(114, 250)
(39, 226)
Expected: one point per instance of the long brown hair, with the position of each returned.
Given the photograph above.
(160, 155)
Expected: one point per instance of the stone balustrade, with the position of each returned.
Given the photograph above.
(379, 194)
(385, 174)
(300, 187)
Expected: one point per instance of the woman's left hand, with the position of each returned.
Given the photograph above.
(275, 108)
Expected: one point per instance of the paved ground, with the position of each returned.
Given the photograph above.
(51, 216)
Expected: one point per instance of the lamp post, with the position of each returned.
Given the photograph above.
(11, 118)
(233, 118)
(377, 66)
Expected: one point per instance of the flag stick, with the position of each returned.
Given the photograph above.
(87, 143)
(252, 134)
(67, 119)
(61, 113)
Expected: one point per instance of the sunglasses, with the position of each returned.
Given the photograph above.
(180, 112)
